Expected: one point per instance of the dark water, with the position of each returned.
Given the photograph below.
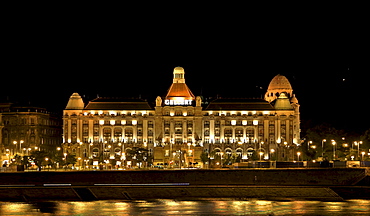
(173, 207)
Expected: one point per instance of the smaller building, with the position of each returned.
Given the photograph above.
(27, 128)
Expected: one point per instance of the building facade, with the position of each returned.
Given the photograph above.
(179, 130)
(25, 129)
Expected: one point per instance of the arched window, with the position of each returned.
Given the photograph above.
(117, 132)
(95, 152)
(250, 152)
(228, 151)
(228, 132)
(217, 151)
(129, 132)
(107, 132)
(239, 152)
(117, 152)
(239, 132)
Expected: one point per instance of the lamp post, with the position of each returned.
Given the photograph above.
(261, 153)
(322, 147)
(15, 148)
(362, 155)
(357, 143)
(20, 145)
(298, 154)
(333, 142)
(286, 151)
(272, 151)
(358, 149)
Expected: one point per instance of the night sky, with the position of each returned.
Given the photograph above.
(326, 61)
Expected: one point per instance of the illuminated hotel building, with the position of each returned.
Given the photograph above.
(177, 128)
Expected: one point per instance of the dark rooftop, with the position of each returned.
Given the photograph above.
(239, 104)
(105, 103)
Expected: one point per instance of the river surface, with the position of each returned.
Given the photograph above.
(174, 207)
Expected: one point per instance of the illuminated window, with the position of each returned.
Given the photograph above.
(190, 153)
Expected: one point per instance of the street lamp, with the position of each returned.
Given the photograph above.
(322, 147)
(358, 148)
(357, 143)
(298, 154)
(333, 142)
(272, 151)
(15, 148)
(261, 153)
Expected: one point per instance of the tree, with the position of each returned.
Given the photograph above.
(254, 156)
(70, 159)
(58, 157)
(204, 157)
(138, 154)
(365, 146)
(316, 135)
(39, 157)
(231, 158)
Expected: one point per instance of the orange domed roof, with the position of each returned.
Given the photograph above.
(280, 83)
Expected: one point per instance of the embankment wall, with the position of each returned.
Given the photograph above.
(293, 177)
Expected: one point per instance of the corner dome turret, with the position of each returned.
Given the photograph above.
(294, 99)
(75, 102)
(278, 85)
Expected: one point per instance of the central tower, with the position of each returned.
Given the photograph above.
(179, 93)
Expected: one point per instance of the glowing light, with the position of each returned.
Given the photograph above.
(244, 122)
(255, 122)
(101, 122)
(134, 122)
(112, 122)
(233, 122)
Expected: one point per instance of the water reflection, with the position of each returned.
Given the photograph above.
(173, 207)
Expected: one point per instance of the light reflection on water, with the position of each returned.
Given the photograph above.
(174, 207)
